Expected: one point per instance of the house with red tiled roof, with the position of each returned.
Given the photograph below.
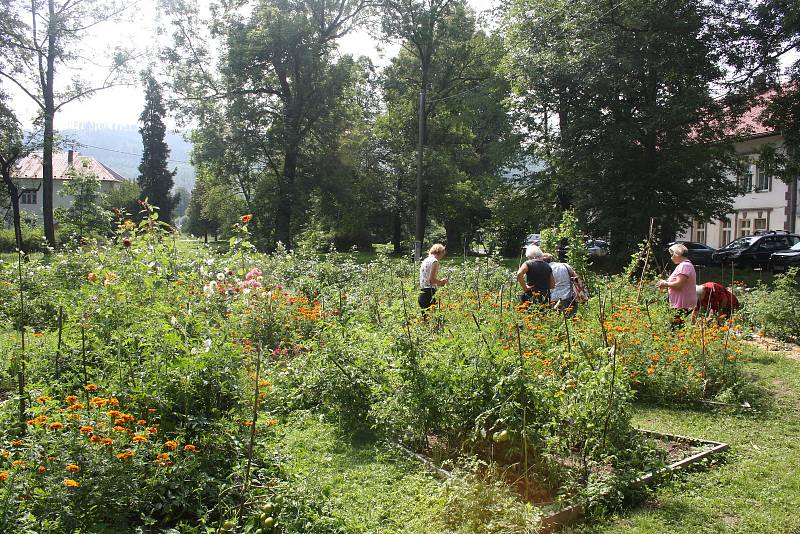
(764, 202)
(28, 172)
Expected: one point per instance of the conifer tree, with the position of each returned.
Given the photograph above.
(155, 178)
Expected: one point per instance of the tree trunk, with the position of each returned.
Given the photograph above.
(397, 219)
(49, 117)
(13, 193)
(283, 219)
(455, 237)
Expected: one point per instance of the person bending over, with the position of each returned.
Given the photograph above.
(536, 277)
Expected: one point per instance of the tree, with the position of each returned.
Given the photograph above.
(13, 146)
(436, 36)
(277, 74)
(467, 137)
(36, 51)
(617, 101)
(123, 198)
(85, 214)
(154, 177)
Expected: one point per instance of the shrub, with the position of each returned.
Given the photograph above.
(776, 312)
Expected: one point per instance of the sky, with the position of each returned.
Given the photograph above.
(138, 29)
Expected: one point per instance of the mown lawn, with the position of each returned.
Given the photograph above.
(755, 490)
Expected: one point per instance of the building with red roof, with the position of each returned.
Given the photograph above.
(765, 202)
(28, 173)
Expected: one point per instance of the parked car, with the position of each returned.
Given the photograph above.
(755, 250)
(597, 248)
(699, 254)
(532, 239)
(787, 258)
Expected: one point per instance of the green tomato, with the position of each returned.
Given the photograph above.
(268, 508)
(269, 522)
(502, 436)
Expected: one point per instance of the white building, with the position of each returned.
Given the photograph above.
(764, 203)
(28, 174)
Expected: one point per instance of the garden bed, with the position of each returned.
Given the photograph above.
(681, 452)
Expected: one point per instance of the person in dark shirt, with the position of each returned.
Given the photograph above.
(536, 277)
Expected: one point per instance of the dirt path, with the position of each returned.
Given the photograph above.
(790, 350)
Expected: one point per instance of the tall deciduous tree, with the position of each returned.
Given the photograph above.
(44, 38)
(617, 100)
(13, 146)
(277, 70)
(155, 179)
(467, 130)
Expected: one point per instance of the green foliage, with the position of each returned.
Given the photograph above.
(617, 104)
(775, 311)
(85, 215)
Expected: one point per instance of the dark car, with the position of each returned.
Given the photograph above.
(755, 250)
(786, 258)
(699, 254)
(597, 248)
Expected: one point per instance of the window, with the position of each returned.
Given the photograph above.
(727, 231)
(760, 225)
(745, 181)
(763, 180)
(28, 197)
(745, 227)
(700, 232)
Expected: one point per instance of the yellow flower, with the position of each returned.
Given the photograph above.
(56, 426)
(3, 476)
(72, 468)
(87, 429)
(90, 387)
(139, 439)
(171, 444)
(68, 482)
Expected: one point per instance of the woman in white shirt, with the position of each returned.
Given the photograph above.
(428, 277)
(562, 295)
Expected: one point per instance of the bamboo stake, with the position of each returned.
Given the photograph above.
(646, 259)
(58, 345)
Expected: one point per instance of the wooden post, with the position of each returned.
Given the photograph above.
(646, 258)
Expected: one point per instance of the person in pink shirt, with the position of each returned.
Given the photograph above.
(680, 284)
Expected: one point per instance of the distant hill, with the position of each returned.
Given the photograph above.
(120, 147)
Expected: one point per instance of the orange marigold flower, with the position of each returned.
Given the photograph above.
(139, 439)
(90, 387)
(41, 469)
(113, 401)
(120, 429)
(92, 277)
(87, 429)
(119, 421)
(71, 399)
(272, 422)
(3, 476)
(151, 429)
(72, 468)
(68, 482)
(17, 463)
(114, 413)
(190, 448)
(151, 410)
(75, 407)
(141, 422)
(95, 438)
(162, 456)
(44, 398)
(106, 441)
(73, 416)
(246, 218)
(17, 443)
(171, 444)
(56, 426)
(651, 370)
(127, 455)
(51, 458)
(98, 401)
